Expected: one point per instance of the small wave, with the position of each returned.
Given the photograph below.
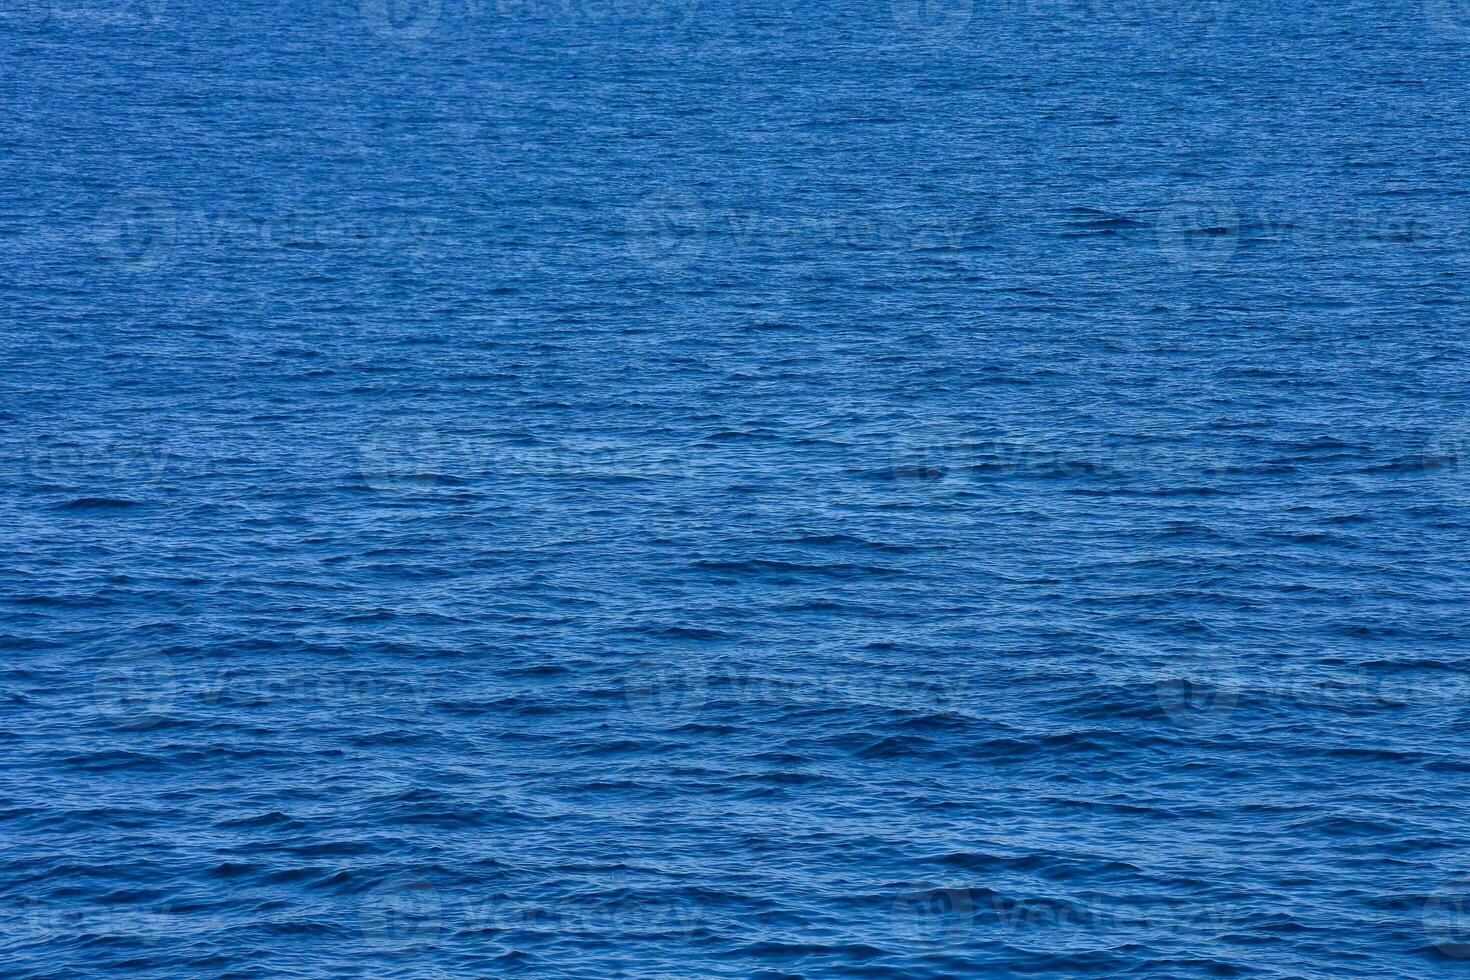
(98, 504)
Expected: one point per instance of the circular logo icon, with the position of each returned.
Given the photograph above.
(401, 458)
(668, 231)
(666, 693)
(132, 689)
(935, 916)
(402, 914)
(933, 19)
(401, 20)
(1449, 19)
(1206, 18)
(137, 232)
(1199, 698)
(677, 13)
(1447, 919)
(1447, 459)
(1199, 233)
(921, 454)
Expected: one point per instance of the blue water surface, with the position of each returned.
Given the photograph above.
(734, 488)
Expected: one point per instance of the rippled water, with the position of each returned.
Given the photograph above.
(661, 488)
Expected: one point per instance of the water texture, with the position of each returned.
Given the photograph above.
(661, 488)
